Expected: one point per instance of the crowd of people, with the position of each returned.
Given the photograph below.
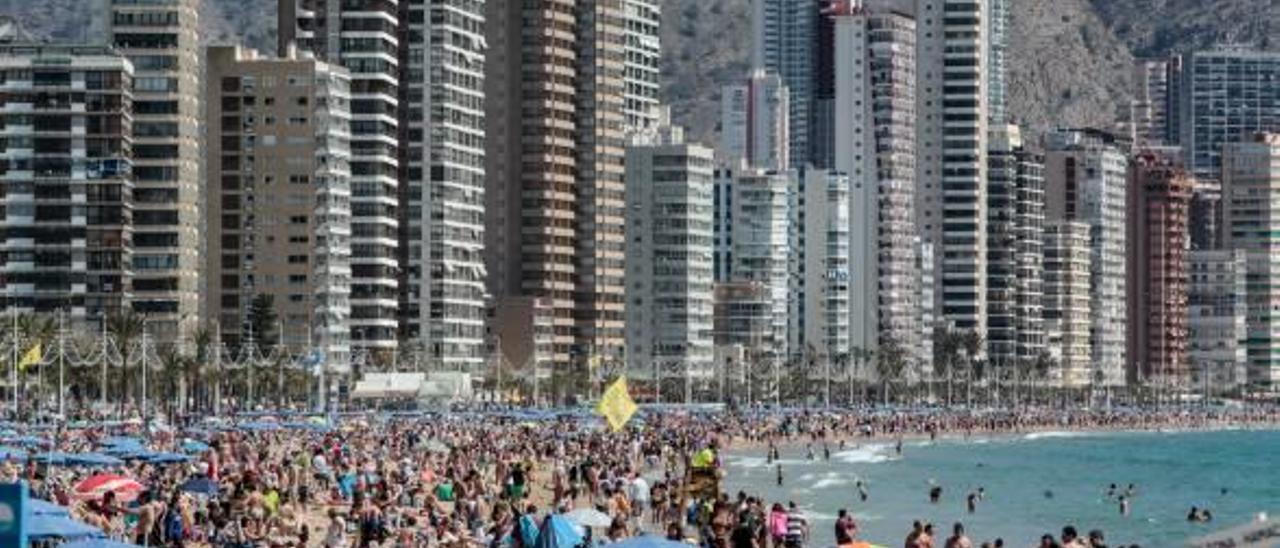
(491, 479)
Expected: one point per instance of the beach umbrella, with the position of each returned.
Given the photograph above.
(42, 527)
(589, 517)
(201, 486)
(27, 441)
(166, 458)
(121, 441)
(93, 459)
(259, 426)
(45, 508)
(649, 541)
(95, 487)
(52, 458)
(557, 532)
(98, 543)
(12, 453)
(194, 446)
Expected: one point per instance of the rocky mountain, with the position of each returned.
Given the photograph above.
(1069, 59)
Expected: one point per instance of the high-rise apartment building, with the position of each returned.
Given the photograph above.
(1015, 256)
(762, 245)
(1151, 116)
(820, 266)
(555, 127)
(669, 259)
(1159, 203)
(755, 122)
(162, 40)
(1218, 313)
(1250, 192)
(67, 223)
(875, 144)
(952, 110)
(998, 48)
(722, 195)
(1228, 95)
(786, 42)
(1067, 303)
(442, 140)
(1086, 180)
(363, 36)
(644, 54)
(279, 200)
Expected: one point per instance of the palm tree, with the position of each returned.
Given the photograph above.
(890, 365)
(124, 328)
(1042, 366)
(946, 350)
(971, 342)
(203, 340)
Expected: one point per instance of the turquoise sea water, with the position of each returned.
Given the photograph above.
(1171, 471)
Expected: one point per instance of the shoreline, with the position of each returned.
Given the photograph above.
(741, 444)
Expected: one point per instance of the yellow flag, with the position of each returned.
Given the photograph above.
(32, 357)
(616, 405)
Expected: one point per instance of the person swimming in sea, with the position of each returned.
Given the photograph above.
(826, 451)
(935, 493)
(862, 491)
(972, 501)
(779, 474)
(1124, 505)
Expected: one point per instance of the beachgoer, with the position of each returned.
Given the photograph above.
(958, 538)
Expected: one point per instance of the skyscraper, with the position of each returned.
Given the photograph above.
(279, 200)
(820, 312)
(68, 227)
(952, 109)
(786, 43)
(555, 122)
(875, 145)
(762, 233)
(442, 139)
(1159, 202)
(1067, 303)
(669, 259)
(644, 53)
(1086, 177)
(162, 40)
(1218, 313)
(361, 35)
(755, 122)
(1228, 95)
(1250, 190)
(1015, 256)
(997, 89)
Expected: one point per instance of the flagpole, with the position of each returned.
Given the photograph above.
(62, 358)
(13, 310)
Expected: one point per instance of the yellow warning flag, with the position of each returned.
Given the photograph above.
(32, 357)
(616, 405)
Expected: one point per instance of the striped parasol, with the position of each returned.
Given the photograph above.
(95, 487)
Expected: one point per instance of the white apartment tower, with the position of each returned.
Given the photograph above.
(363, 36)
(442, 68)
(162, 40)
(761, 249)
(669, 258)
(755, 122)
(1250, 192)
(1067, 302)
(1015, 225)
(644, 54)
(875, 145)
(820, 303)
(1086, 179)
(952, 112)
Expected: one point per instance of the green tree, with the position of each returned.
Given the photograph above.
(262, 320)
(890, 365)
(125, 329)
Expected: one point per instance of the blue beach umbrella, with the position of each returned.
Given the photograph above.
(166, 458)
(93, 459)
(649, 541)
(98, 543)
(201, 486)
(12, 453)
(41, 507)
(557, 532)
(194, 446)
(49, 526)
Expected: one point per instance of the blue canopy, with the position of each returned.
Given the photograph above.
(55, 458)
(8, 453)
(40, 507)
(165, 458)
(557, 532)
(201, 486)
(48, 526)
(259, 426)
(194, 446)
(121, 441)
(27, 441)
(98, 543)
(93, 459)
(127, 453)
(649, 541)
